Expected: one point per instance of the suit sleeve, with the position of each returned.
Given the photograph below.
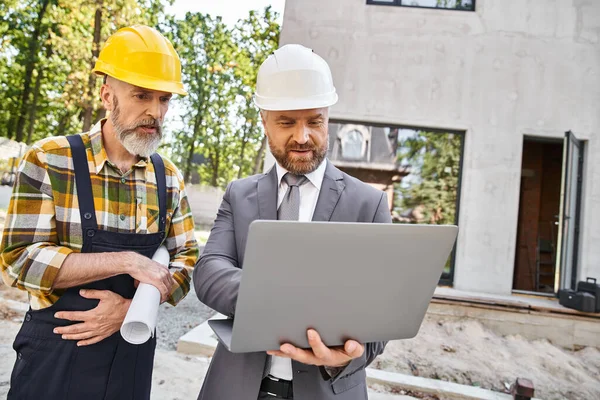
(372, 350)
(217, 275)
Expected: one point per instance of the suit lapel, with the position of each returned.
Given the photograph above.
(331, 190)
(267, 195)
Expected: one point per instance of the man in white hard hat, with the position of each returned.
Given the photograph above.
(294, 92)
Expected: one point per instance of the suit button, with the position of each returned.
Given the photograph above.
(27, 317)
(91, 233)
(122, 217)
(19, 356)
(87, 216)
(123, 180)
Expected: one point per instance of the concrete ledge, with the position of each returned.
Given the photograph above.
(447, 390)
(563, 330)
(387, 396)
(199, 341)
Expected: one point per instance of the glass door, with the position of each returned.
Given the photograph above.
(569, 215)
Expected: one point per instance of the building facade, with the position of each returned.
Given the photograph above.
(512, 86)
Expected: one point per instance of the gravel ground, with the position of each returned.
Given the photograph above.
(174, 322)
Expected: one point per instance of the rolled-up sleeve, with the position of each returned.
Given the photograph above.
(182, 246)
(30, 252)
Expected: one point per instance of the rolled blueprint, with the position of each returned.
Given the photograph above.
(140, 321)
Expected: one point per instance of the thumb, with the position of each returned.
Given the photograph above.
(354, 349)
(93, 294)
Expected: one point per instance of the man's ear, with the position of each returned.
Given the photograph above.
(107, 96)
(263, 117)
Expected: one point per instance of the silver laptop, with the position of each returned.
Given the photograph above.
(367, 282)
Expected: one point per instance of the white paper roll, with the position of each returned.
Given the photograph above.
(140, 321)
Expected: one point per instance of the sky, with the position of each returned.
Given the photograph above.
(230, 10)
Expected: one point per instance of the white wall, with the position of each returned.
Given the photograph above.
(512, 68)
(204, 202)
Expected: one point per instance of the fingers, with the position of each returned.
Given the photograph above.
(354, 349)
(277, 353)
(319, 349)
(319, 353)
(160, 277)
(95, 294)
(79, 336)
(301, 355)
(73, 329)
(72, 315)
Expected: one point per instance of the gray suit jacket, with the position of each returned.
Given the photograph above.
(219, 271)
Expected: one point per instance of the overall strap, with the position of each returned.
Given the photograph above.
(161, 188)
(84, 186)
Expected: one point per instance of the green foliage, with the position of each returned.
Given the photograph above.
(434, 160)
(47, 53)
(46, 59)
(221, 125)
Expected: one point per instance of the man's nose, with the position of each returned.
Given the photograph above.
(301, 134)
(155, 110)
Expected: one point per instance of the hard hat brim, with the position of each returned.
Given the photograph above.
(279, 104)
(142, 81)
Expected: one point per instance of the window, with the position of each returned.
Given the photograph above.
(352, 145)
(419, 168)
(430, 193)
(462, 5)
(351, 142)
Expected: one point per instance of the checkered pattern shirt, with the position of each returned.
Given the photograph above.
(43, 224)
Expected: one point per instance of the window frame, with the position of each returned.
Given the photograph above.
(445, 279)
(398, 3)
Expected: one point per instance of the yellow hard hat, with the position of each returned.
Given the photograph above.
(141, 56)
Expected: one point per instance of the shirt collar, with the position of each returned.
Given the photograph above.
(316, 177)
(98, 151)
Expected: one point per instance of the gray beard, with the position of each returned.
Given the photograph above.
(138, 144)
(142, 145)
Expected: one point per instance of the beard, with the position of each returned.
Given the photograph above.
(137, 143)
(300, 165)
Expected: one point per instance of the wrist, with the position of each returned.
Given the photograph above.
(130, 262)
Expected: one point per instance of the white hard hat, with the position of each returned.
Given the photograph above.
(294, 78)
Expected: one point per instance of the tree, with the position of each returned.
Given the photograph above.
(31, 62)
(221, 125)
(89, 107)
(258, 37)
(206, 49)
(434, 160)
(47, 50)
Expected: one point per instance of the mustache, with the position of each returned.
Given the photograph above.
(300, 147)
(146, 123)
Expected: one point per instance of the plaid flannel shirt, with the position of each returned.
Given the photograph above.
(43, 224)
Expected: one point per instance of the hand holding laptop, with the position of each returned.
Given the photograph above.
(319, 354)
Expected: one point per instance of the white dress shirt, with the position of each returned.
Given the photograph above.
(309, 193)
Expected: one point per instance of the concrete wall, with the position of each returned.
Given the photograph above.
(512, 68)
(204, 202)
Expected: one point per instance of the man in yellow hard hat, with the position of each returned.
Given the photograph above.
(294, 91)
(87, 213)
